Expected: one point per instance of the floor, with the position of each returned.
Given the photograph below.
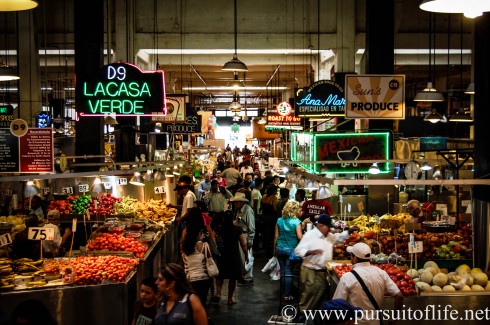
(255, 303)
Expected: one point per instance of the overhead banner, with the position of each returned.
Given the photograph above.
(282, 117)
(191, 124)
(308, 148)
(375, 96)
(323, 98)
(122, 89)
(260, 133)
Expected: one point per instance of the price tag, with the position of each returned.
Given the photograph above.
(19, 128)
(122, 181)
(40, 233)
(377, 219)
(74, 225)
(83, 188)
(412, 240)
(418, 247)
(67, 190)
(7, 192)
(45, 190)
(349, 207)
(5, 239)
(340, 198)
(159, 189)
(108, 185)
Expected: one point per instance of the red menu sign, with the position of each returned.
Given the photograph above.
(36, 151)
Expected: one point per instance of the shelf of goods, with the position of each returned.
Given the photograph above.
(132, 239)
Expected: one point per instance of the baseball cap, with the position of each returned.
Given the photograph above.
(360, 250)
(325, 219)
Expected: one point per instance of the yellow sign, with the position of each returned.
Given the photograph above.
(375, 96)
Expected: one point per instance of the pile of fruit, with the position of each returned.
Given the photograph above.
(155, 210)
(103, 205)
(63, 206)
(387, 222)
(18, 223)
(117, 242)
(402, 280)
(9, 269)
(93, 270)
(433, 279)
(81, 203)
(125, 205)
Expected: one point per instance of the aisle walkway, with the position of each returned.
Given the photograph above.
(255, 303)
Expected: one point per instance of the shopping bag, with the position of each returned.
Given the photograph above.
(269, 266)
(275, 274)
(250, 262)
(211, 267)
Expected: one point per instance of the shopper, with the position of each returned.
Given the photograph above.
(184, 191)
(315, 248)
(204, 186)
(269, 216)
(51, 247)
(287, 234)
(217, 198)
(194, 252)
(145, 308)
(37, 208)
(229, 261)
(245, 219)
(221, 180)
(247, 189)
(299, 196)
(315, 207)
(246, 169)
(257, 197)
(283, 199)
(376, 280)
(179, 304)
(231, 175)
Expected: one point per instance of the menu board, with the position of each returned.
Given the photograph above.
(9, 152)
(31, 153)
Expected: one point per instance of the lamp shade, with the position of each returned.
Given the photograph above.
(470, 8)
(429, 94)
(235, 65)
(7, 73)
(159, 176)
(109, 120)
(471, 89)
(31, 189)
(374, 169)
(262, 121)
(434, 117)
(17, 5)
(137, 179)
(236, 84)
(461, 117)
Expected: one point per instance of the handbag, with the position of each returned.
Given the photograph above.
(292, 256)
(211, 267)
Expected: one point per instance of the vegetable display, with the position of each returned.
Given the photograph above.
(117, 242)
(95, 269)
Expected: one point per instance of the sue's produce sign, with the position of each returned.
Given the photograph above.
(121, 89)
(375, 96)
(353, 148)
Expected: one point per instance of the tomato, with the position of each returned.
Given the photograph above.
(403, 283)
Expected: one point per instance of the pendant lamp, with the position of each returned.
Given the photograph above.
(17, 5)
(471, 89)
(236, 84)
(434, 117)
(235, 64)
(460, 116)
(470, 8)
(7, 73)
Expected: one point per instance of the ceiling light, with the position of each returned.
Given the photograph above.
(460, 116)
(109, 120)
(374, 169)
(17, 5)
(149, 177)
(159, 175)
(434, 117)
(425, 167)
(7, 73)
(471, 89)
(470, 8)
(31, 189)
(236, 117)
(324, 192)
(262, 121)
(97, 186)
(137, 179)
(429, 94)
(236, 84)
(235, 64)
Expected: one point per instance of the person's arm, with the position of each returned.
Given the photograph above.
(251, 228)
(200, 188)
(198, 312)
(66, 234)
(299, 232)
(276, 235)
(243, 245)
(274, 203)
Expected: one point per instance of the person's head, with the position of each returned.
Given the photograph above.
(31, 221)
(148, 289)
(36, 202)
(291, 209)
(194, 218)
(271, 190)
(32, 311)
(182, 188)
(413, 208)
(247, 183)
(276, 180)
(218, 173)
(284, 193)
(214, 186)
(324, 223)
(257, 173)
(256, 166)
(268, 173)
(249, 177)
(360, 252)
(173, 280)
(207, 177)
(246, 163)
(239, 200)
(300, 195)
(259, 183)
(186, 179)
(54, 217)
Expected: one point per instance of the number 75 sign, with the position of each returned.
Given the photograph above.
(40, 233)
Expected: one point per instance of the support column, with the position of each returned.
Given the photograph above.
(29, 72)
(346, 36)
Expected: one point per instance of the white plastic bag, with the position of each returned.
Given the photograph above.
(250, 263)
(271, 264)
(275, 274)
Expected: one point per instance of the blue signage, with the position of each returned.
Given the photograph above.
(323, 98)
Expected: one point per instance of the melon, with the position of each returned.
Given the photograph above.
(431, 263)
(468, 279)
(453, 277)
(426, 277)
(480, 279)
(422, 286)
(463, 268)
(436, 289)
(475, 270)
(466, 288)
(413, 273)
(432, 270)
(476, 287)
(448, 288)
(487, 287)
(415, 280)
(440, 279)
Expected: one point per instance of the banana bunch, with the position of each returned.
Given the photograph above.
(7, 282)
(364, 222)
(36, 283)
(26, 265)
(125, 206)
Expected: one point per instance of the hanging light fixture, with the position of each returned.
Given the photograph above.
(236, 84)
(471, 89)
(149, 177)
(137, 179)
(374, 169)
(434, 117)
(97, 186)
(7, 73)
(460, 116)
(425, 167)
(17, 5)
(235, 104)
(235, 64)
(262, 120)
(159, 175)
(109, 120)
(470, 8)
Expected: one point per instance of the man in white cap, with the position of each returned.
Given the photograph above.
(245, 219)
(376, 282)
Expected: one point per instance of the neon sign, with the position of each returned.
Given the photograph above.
(348, 149)
(122, 89)
(323, 98)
